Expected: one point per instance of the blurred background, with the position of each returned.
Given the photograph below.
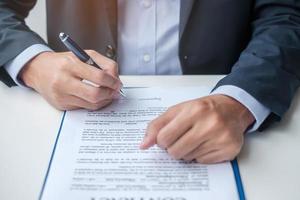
(37, 18)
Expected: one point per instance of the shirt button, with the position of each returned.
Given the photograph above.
(147, 58)
(147, 3)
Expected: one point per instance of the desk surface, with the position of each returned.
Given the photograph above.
(269, 161)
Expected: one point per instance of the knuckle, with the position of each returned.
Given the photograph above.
(162, 141)
(92, 53)
(204, 104)
(200, 105)
(65, 61)
(197, 108)
(208, 102)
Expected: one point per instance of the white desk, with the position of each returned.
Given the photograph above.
(269, 162)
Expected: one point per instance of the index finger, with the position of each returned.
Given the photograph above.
(154, 127)
(97, 76)
(108, 65)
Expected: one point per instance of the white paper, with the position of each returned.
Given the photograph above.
(97, 156)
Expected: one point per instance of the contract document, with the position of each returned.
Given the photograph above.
(97, 155)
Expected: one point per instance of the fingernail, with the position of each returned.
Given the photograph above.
(142, 146)
(144, 143)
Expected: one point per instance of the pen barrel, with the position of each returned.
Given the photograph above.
(74, 47)
(91, 62)
(77, 50)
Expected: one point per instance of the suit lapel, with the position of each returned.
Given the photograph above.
(185, 11)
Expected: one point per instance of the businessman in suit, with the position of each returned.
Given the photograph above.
(255, 42)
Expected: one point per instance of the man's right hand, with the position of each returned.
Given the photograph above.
(58, 78)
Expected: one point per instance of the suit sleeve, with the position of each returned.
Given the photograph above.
(15, 36)
(269, 67)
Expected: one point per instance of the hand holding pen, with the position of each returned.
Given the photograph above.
(58, 77)
(79, 52)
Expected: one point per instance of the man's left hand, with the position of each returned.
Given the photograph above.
(209, 130)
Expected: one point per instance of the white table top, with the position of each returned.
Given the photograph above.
(269, 162)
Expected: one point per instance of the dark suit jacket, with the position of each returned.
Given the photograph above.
(255, 42)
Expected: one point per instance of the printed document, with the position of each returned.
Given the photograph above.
(97, 155)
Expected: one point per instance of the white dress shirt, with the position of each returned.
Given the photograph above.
(148, 42)
(148, 37)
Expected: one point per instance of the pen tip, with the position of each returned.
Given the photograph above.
(122, 93)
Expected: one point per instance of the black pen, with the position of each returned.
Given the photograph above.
(79, 52)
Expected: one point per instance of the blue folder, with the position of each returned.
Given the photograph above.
(238, 179)
(234, 163)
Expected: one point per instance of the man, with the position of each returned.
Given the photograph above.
(255, 42)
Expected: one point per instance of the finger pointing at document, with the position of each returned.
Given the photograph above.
(208, 130)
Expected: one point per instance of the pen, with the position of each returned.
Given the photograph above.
(79, 52)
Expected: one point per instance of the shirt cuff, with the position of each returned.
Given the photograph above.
(259, 111)
(14, 66)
